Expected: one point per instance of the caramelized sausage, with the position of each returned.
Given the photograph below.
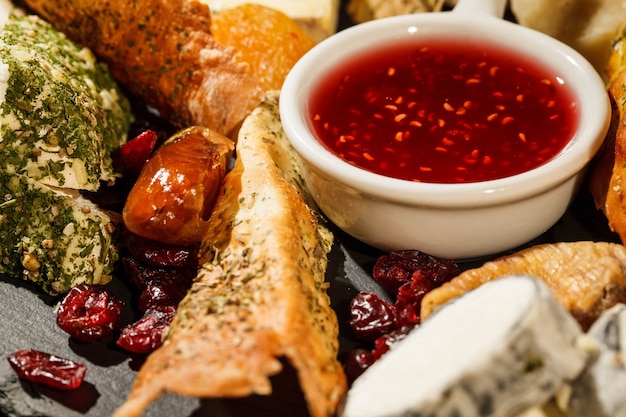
(177, 188)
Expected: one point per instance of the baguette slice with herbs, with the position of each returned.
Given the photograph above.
(261, 293)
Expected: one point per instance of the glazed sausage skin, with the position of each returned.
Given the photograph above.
(176, 190)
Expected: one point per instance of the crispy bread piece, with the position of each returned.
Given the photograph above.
(617, 59)
(586, 277)
(260, 294)
(162, 51)
(607, 181)
(608, 175)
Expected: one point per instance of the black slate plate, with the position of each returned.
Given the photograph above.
(27, 320)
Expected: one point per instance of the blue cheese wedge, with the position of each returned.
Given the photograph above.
(53, 237)
(61, 113)
(600, 390)
(499, 350)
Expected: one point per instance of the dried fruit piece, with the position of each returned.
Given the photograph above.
(409, 297)
(162, 274)
(356, 362)
(393, 270)
(89, 313)
(407, 275)
(129, 158)
(159, 254)
(162, 294)
(371, 316)
(383, 343)
(174, 195)
(44, 368)
(146, 334)
(141, 275)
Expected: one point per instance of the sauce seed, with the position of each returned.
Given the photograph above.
(399, 117)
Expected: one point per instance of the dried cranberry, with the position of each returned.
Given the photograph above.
(409, 298)
(407, 275)
(408, 314)
(159, 254)
(383, 343)
(146, 334)
(129, 158)
(393, 270)
(44, 368)
(160, 294)
(141, 275)
(371, 316)
(356, 362)
(89, 312)
(134, 272)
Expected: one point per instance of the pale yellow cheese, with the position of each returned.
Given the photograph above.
(550, 409)
(317, 17)
(588, 26)
(364, 10)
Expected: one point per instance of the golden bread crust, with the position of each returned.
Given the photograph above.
(260, 294)
(608, 178)
(162, 51)
(586, 277)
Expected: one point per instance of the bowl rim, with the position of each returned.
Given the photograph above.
(593, 100)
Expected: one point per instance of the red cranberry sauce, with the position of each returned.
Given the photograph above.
(444, 111)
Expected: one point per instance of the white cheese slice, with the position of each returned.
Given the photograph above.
(601, 389)
(499, 350)
(317, 17)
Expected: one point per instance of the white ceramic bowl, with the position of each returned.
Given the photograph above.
(458, 221)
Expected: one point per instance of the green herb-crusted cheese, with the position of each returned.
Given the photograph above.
(52, 237)
(61, 113)
(61, 116)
